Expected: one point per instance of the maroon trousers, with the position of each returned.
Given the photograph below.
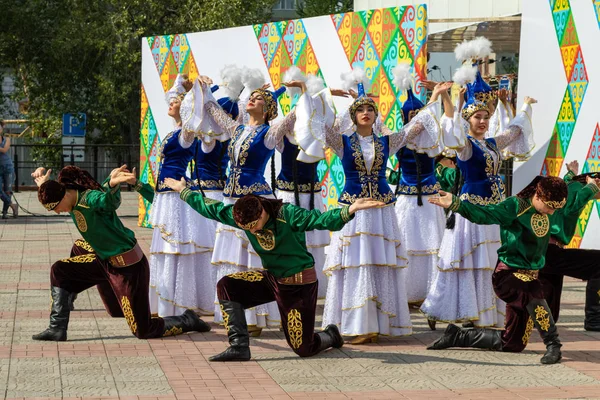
(517, 288)
(297, 304)
(124, 291)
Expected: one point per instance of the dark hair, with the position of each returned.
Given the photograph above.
(273, 180)
(458, 183)
(73, 177)
(50, 193)
(547, 188)
(418, 167)
(250, 207)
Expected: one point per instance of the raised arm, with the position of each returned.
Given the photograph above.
(278, 130)
(493, 214)
(517, 139)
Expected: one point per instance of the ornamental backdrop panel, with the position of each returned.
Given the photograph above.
(375, 40)
(560, 67)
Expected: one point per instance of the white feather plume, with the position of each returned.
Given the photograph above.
(293, 74)
(403, 79)
(253, 78)
(465, 74)
(464, 51)
(353, 78)
(231, 81)
(481, 47)
(314, 84)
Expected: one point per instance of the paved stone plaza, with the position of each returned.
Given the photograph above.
(103, 360)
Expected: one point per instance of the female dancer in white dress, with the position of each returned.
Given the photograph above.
(462, 290)
(180, 269)
(250, 148)
(366, 293)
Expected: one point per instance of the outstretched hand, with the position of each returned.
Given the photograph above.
(295, 83)
(176, 185)
(443, 200)
(529, 100)
(40, 175)
(365, 204)
(205, 80)
(343, 93)
(573, 167)
(116, 175)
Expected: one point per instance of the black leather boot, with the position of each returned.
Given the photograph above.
(330, 337)
(186, 322)
(59, 317)
(480, 338)
(543, 321)
(237, 330)
(72, 301)
(592, 306)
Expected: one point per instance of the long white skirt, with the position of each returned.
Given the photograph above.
(462, 290)
(316, 241)
(421, 232)
(366, 267)
(233, 253)
(181, 276)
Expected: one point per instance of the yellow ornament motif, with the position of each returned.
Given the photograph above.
(250, 276)
(543, 318)
(528, 330)
(80, 221)
(84, 245)
(526, 276)
(225, 318)
(128, 313)
(173, 331)
(81, 259)
(294, 325)
(540, 224)
(266, 239)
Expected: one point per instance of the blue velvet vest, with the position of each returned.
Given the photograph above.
(306, 174)
(482, 184)
(360, 183)
(247, 175)
(408, 179)
(211, 167)
(174, 161)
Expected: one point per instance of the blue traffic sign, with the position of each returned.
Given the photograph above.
(74, 124)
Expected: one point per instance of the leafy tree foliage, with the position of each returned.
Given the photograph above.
(314, 8)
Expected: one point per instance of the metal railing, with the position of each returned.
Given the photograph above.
(98, 159)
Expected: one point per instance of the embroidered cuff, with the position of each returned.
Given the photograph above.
(345, 214)
(569, 176)
(455, 204)
(593, 187)
(185, 193)
(138, 185)
(111, 190)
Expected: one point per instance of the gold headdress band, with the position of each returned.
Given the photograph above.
(269, 102)
(361, 101)
(51, 206)
(555, 204)
(249, 225)
(472, 108)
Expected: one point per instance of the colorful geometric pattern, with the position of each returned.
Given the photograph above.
(592, 164)
(577, 79)
(172, 56)
(597, 10)
(374, 40)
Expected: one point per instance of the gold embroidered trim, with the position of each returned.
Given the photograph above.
(188, 184)
(84, 245)
(51, 206)
(83, 201)
(556, 204)
(345, 214)
(249, 276)
(80, 221)
(540, 224)
(128, 313)
(543, 318)
(455, 205)
(81, 259)
(233, 186)
(173, 331)
(523, 206)
(225, 318)
(266, 239)
(249, 225)
(302, 188)
(528, 330)
(138, 185)
(210, 183)
(525, 275)
(294, 326)
(427, 189)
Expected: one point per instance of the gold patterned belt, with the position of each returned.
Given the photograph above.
(127, 258)
(526, 275)
(304, 277)
(556, 243)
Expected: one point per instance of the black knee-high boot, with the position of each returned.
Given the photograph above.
(186, 322)
(237, 330)
(592, 306)
(480, 338)
(59, 316)
(330, 337)
(544, 322)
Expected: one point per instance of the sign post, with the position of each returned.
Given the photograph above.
(73, 139)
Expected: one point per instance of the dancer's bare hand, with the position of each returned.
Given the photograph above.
(343, 93)
(365, 204)
(443, 200)
(40, 175)
(176, 185)
(530, 100)
(573, 167)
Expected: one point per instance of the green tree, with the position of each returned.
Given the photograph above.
(314, 8)
(85, 55)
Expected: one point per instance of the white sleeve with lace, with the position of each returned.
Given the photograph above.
(499, 120)
(517, 140)
(422, 134)
(279, 129)
(314, 129)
